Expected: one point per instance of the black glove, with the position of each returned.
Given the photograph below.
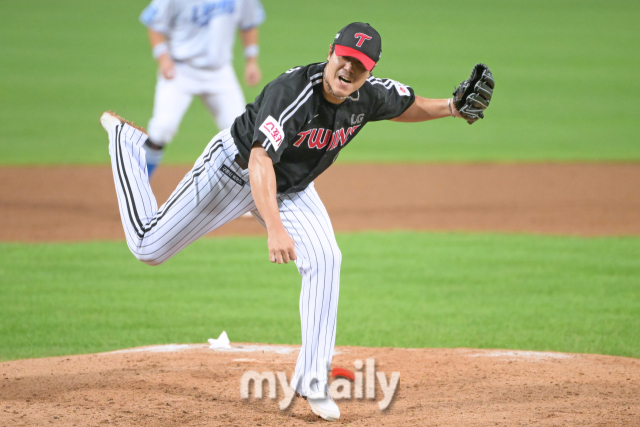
(472, 97)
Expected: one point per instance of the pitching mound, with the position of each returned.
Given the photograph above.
(191, 385)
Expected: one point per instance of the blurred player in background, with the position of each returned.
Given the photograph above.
(192, 41)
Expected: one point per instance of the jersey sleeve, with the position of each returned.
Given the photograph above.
(252, 15)
(393, 98)
(157, 16)
(276, 119)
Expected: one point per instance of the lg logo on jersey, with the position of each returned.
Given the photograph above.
(362, 38)
(357, 120)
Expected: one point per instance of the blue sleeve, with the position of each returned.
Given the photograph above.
(252, 15)
(157, 16)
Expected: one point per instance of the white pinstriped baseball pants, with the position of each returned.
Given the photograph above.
(207, 198)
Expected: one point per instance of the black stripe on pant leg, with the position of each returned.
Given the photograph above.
(133, 202)
(120, 173)
(123, 202)
(135, 180)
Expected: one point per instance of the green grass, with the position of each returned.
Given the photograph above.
(566, 73)
(397, 289)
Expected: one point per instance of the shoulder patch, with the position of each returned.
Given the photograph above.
(402, 89)
(272, 129)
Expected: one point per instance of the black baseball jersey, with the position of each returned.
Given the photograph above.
(303, 132)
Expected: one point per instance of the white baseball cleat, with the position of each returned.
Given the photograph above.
(322, 405)
(110, 120)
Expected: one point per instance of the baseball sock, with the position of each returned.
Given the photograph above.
(154, 153)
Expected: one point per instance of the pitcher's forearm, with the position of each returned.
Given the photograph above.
(424, 109)
(263, 187)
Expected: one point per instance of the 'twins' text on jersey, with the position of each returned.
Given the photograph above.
(302, 132)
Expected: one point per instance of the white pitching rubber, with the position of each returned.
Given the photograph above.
(109, 121)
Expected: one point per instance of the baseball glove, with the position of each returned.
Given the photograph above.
(473, 95)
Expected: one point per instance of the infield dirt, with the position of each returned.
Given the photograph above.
(79, 203)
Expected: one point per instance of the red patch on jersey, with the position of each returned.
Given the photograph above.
(273, 131)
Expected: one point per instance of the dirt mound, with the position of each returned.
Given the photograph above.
(192, 385)
(79, 203)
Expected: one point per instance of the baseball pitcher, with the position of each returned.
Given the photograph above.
(266, 164)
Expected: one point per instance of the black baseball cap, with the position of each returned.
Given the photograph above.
(361, 41)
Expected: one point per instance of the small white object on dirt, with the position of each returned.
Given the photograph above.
(221, 342)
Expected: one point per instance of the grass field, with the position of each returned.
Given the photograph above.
(565, 70)
(566, 85)
(448, 290)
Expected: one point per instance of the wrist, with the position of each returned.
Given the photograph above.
(275, 227)
(449, 104)
(159, 50)
(164, 58)
(251, 52)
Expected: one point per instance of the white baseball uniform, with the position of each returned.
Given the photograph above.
(200, 35)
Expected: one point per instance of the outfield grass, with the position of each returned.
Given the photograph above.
(398, 289)
(566, 76)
